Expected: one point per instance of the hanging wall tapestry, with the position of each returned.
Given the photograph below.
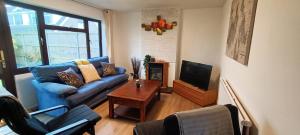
(159, 26)
(240, 30)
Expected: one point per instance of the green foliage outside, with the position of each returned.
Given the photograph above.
(26, 55)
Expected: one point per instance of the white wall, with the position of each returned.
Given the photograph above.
(129, 40)
(201, 36)
(163, 47)
(269, 85)
(126, 38)
(198, 40)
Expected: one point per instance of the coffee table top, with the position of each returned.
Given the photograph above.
(130, 91)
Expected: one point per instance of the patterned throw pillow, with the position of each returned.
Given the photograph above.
(70, 77)
(108, 69)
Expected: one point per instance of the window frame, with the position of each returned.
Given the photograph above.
(42, 27)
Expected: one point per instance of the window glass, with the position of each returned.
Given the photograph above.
(24, 32)
(104, 45)
(63, 21)
(94, 38)
(64, 46)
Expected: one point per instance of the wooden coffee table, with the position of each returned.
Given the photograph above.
(130, 96)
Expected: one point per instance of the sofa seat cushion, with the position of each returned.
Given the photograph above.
(114, 79)
(87, 91)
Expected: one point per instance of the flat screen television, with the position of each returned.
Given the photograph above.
(196, 74)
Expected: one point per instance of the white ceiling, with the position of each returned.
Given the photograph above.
(132, 5)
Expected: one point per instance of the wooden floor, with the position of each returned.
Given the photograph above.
(168, 104)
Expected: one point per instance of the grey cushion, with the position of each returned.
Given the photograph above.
(150, 128)
(87, 91)
(59, 89)
(47, 73)
(113, 80)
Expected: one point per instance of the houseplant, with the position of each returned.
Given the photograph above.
(147, 59)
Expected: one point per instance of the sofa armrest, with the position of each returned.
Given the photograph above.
(55, 88)
(150, 128)
(120, 70)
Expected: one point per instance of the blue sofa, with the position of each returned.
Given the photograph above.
(52, 92)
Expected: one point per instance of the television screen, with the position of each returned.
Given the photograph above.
(196, 74)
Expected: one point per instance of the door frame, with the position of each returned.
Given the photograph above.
(6, 45)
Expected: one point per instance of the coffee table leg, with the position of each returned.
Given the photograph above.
(111, 108)
(142, 114)
(158, 94)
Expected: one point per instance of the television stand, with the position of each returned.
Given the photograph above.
(194, 94)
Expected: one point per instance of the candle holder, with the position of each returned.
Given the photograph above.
(138, 83)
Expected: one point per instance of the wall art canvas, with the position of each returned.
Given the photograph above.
(159, 26)
(240, 30)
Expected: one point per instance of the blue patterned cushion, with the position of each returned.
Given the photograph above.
(70, 77)
(108, 69)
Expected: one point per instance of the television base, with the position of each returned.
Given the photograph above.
(194, 94)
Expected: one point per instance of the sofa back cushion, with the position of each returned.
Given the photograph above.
(48, 73)
(97, 61)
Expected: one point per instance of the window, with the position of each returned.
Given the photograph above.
(25, 37)
(43, 36)
(65, 46)
(63, 21)
(94, 38)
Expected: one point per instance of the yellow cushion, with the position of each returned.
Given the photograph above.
(89, 73)
(82, 62)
